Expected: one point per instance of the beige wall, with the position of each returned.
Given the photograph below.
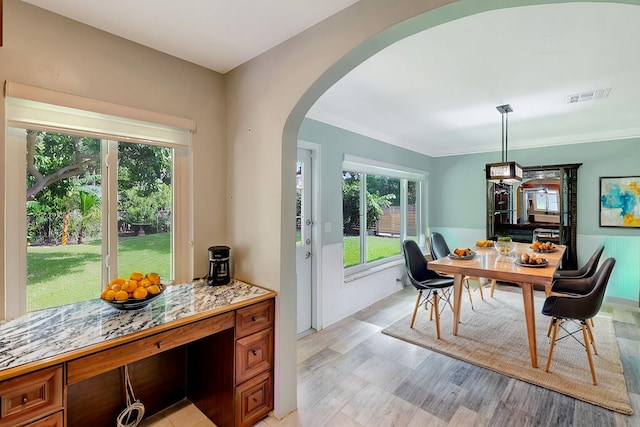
(46, 50)
(267, 99)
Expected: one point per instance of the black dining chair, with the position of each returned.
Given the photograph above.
(427, 282)
(580, 308)
(566, 281)
(587, 270)
(440, 249)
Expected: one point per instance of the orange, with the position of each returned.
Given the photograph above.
(140, 293)
(118, 280)
(116, 287)
(137, 276)
(122, 296)
(145, 282)
(130, 286)
(153, 289)
(154, 278)
(110, 295)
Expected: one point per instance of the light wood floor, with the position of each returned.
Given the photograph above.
(350, 375)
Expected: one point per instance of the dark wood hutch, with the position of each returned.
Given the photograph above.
(543, 207)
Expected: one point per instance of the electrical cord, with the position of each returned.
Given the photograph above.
(134, 406)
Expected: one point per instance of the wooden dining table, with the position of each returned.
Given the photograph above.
(488, 263)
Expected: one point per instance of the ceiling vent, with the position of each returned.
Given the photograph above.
(588, 96)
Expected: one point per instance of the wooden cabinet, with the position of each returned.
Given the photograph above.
(221, 359)
(54, 420)
(97, 363)
(512, 209)
(29, 397)
(254, 399)
(223, 364)
(254, 362)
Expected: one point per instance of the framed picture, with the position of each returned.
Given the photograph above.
(620, 201)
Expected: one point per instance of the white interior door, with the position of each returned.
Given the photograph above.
(304, 244)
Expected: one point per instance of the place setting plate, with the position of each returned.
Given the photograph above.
(545, 251)
(521, 264)
(456, 257)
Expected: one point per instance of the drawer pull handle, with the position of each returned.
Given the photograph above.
(159, 345)
(25, 399)
(254, 352)
(253, 318)
(255, 400)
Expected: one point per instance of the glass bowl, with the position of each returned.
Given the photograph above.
(505, 248)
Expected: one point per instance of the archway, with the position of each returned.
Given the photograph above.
(319, 70)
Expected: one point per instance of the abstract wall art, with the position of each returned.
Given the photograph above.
(620, 201)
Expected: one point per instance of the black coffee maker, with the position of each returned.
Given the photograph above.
(219, 271)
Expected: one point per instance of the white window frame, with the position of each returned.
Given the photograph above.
(405, 174)
(25, 110)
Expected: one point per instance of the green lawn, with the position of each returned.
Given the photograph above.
(377, 248)
(58, 275)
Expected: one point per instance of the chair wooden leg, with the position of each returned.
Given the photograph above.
(553, 343)
(415, 310)
(468, 286)
(493, 286)
(550, 326)
(435, 304)
(480, 288)
(587, 346)
(593, 342)
(593, 325)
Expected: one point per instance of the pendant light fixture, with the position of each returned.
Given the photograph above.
(505, 171)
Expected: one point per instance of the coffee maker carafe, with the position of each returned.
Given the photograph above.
(219, 271)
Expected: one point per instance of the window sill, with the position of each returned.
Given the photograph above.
(351, 276)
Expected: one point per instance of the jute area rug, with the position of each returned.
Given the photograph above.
(494, 336)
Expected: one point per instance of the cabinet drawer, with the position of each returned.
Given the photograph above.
(254, 354)
(254, 399)
(94, 364)
(54, 420)
(254, 318)
(30, 396)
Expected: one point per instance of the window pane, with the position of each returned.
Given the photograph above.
(145, 200)
(383, 217)
(351, 217)
(552, 198)
(412, 228)
(64, 197)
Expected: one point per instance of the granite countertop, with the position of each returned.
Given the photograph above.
(47, 333)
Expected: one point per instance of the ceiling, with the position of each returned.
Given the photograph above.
(435, 92)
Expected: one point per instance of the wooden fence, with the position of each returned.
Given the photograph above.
(389, 222)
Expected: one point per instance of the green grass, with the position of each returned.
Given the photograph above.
(378, 247)
(58, 275)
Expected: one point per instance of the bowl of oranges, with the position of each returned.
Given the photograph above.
(133, 293)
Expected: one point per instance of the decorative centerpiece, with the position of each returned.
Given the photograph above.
(134, 293)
